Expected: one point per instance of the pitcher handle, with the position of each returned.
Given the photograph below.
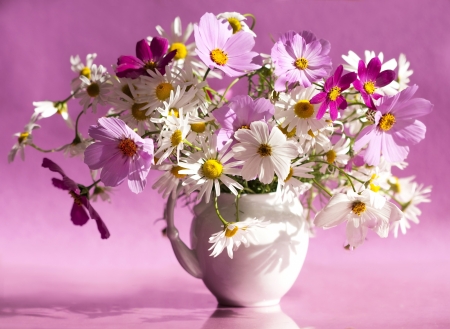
(185, 256)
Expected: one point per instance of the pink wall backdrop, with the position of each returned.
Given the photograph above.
(40, 247)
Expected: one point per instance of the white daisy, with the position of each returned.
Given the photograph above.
(236, 21)
(292, 187)
(296, 112)
(46, 109)
(403, 72)
(23, 138)
(187, 76)
(102, 192)
(364, 211)
(179, 101)
(81, 69)
(171, 138)
(410, 194)
(168, 183)
(264, 154)
(209, 168)
(77, 148)
(315, 142)
(96, 89)
(235, 234)
(352, 65)
(337, 154)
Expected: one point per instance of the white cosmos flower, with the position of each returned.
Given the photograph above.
(172, 136)
(23, 138)
(264, 154)
(337, 153)
(403, 72)
(168, 183)
(297, 112)
(46, 109)
(353, 59)
(209, 168)
(78, 67)
(315, 142)
(410, 194)
(235, 234)
(364, 211)
(292, 187)
(95, 89)
(236, 21)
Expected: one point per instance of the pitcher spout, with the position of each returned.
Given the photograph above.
(185, 256)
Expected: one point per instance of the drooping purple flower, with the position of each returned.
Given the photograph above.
(82, 210)
(300, 57)
(371, 78)
(331, 96)
(218, 47)
(395, 127)
(239, 113)
(148, 57)
(121, 153)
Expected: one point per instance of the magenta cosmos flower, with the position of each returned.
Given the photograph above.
(148, 57)
(300, 57)
(331, 96)
(121, 153)
(82, 210)
(239, 113)
(371, 78)
(395, 127)
(218, 47)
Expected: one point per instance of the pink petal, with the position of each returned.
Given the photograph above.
(115, 170)
(391, 150)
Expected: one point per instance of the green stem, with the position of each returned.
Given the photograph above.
(229, 87)
(236, 201)
(191, 145)
(77, 138)
(224, 222)
(341, 171)
(320, 186)
(93, 184)
(206, 74)
(70, 96)
(47, 151)
(357, 103)
(148, 133)
(253, 19)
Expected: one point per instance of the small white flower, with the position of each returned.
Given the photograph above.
(95, 89)
(298, 113)
(337, 154)
(291, 187)
(403, 72)
(315, 142)
(235, 234)
(236, 21)
(167, 184)
(102, 192)
(82, 70)
(210, 168)
(23, 138)
(46, 109)
(179, 101)
(77, 148)
(364, 211)
(264, 154)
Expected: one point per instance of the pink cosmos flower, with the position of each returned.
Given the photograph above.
(331, 96)
(82, 210)
(121, 153)
(395, 127)
(239, 113)
(371, 78)
(300, 57)
(218, 47)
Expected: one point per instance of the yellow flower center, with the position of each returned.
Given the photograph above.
(212, 169)
(86, 71)
(93, 89)
(219, 57)
(288, 134)
(289, 176)
(150, 65)
(175, 171)
(176, 137)
(76, 198)
(265, 150)
(334, 93)
(395, 187)
(23, 137)
(331, 156)
(235, 24)
(198, 127)
(303, 109)
(373, 187)
(174, 112)
(369, 87)
(181, 50)
(244, 127)
(61, 108)
(310, 133)
(229, 233)
(386, 121)
(163, 90)
(358, 207)
(137, 113)
(126, 90)
(128, 147)
(301, 63)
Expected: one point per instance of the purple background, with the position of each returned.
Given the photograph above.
(48, 266)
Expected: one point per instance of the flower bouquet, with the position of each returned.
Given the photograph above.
(313, 138)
